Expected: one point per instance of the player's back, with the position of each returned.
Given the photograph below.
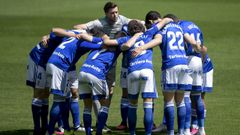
(40, 53)
(194, 31)
(100, 61)
(172, 46)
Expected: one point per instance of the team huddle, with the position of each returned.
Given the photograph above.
(187, 73)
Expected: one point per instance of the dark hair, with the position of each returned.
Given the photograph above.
(151, 15)
(172, 16)
(109, 5)
(120, 34)
(96, 32)
(135, 26)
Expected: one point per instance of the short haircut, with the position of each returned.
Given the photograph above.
(135, 26)
(96, 32)
(172, 16)
(151, 16)
(120, 34)
(109, 5)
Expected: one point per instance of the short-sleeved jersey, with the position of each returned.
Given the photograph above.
(66, 55)
(143, 60)
(109, 29)
(40, 54)
(194, 31)
(172, 47)
(207, 65)
(100, 61)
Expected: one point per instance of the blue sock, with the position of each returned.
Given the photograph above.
(188, 105)
(194, 117)
(74, 107)
(124, 110)
(169, 114)
(36, 114)
(164, 122)
(44, 116)
(54, 116)
(199, 109)
(132, 118)
(64, 109)
(148, 117)
(181, 113)
(87, 120)
(102, 118)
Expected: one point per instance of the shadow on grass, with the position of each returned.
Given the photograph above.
(17, 132)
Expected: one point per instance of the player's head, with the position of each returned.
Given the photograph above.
(111, 11)
(172, 16)
(97, 32)
(135, 26)
(151, 17)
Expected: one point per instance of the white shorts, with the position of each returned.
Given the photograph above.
(31, 73)
(72, 82)
(92, 87)
(36, 75)
(123, 77)
(195, 65)
(142, 81)
(176, 78)
(208, 81)
(57, 79)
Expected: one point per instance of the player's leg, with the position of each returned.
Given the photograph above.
(124, 100)
(149, 92)
(36, 102)
(58, 80)
(100, 92)
(42, 92)
(188, 106)
(169, 110)
(181, 110)
(133, 93)
(55, 112)
(196, 65)
(85, 93)
(184, 108)
(74, 105)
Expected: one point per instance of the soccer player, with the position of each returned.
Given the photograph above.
(140, 74)
(93, 85)
(175, 72)
(111, 23)
(195, 64)
(60, 65)
(36, 78)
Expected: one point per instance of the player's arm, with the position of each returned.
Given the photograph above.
(196, 45)
(110, 42)
(163, 22)
(85, 36)
(155, 42)
(80, 26)
(63, 33)
(45, 40)
(131, 41)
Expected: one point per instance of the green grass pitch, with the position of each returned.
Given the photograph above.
(23, 22)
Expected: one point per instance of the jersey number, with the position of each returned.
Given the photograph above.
(99, 52)
(176, 42)
(138, 44)
(62, 45)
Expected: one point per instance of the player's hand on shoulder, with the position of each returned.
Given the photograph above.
(167, 20)
(45, 40)
(136, 52)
